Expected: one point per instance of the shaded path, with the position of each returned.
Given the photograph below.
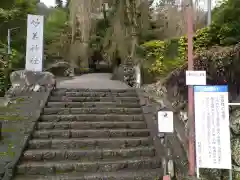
(92, 81)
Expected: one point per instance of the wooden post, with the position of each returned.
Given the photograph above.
(191, 137)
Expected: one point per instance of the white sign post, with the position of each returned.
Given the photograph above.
(195, 78)
(138, 75)
(165, 125)
(212, 129)
(34, 48)
(165, 122)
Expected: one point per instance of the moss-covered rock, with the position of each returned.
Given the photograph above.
(235, 121)
(213, 174)
(236, 150)
(236, 175)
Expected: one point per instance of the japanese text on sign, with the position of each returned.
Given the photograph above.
(195, 77)
(212, 127)
(34, 51)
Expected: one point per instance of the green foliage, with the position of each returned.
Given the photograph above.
(223, 31)
(6, 63)
(225, 28)
(54, 24)
(164, 56)
(182, 48)
(8, 14)
(203, 38)
(6, 4)
(55, 33)
(13, 13)
(96, 42)
(26, 6)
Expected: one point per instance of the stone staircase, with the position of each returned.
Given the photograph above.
(90, 135)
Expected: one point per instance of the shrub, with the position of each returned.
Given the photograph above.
(221, 65)
(164, 56)
(14, 59)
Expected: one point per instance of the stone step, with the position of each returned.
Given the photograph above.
(94, 94)
(86, 155)
(93, 105)
(146, 174)
(91, 133)
(58, 167)
(91, 125)
(94, 90)
(50, 111)
(92, 117)
(94, 99)
(89, 143)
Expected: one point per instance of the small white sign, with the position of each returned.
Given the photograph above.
(212, 130)
(165, 122)
(34, 47)
(138, 74)
(196, 78)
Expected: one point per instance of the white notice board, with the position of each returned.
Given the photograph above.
(34, 47)
(165, 122)
(212, 128)
(196, 78)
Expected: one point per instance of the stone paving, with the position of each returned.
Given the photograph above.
(91, 81)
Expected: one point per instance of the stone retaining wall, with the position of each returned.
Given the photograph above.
(235, 139)
(19, 113)
(150, 107)
(175, 99)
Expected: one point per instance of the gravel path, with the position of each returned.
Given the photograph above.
(92, 81)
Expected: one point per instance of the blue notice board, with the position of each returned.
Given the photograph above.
(222, 88)
(212, 130)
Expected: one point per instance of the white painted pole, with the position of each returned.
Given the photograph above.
(9, 41)
(209, 19)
